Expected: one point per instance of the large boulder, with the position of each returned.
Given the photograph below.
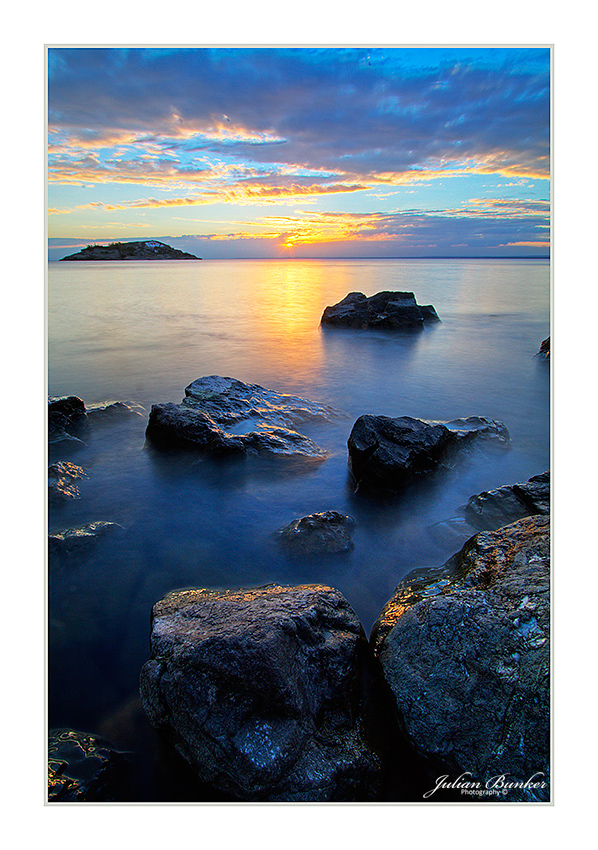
(322, 533)
(388, 453)
(261, 691)
(465, 652)
(177, 426)
(214, 403)
(394, 310)
(84, 768)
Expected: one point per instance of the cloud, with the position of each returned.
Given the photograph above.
(382, 121)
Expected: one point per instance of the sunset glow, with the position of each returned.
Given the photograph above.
(277, 152)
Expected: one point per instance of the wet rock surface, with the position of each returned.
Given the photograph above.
(392, 310)
(494, 508)
(73, 541)
(387, 453)
(83, 768)
(213, 404)
(321, 533)
(67, 422)
(176, 426)
(261, 691)
(62, 478)
(229, 402)
(111, 412)
(465, 652)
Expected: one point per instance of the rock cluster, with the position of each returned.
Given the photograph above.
(392, 310)
(465, 652)
(387, 453)
(260, 690)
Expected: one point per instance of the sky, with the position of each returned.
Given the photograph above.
(301, 152)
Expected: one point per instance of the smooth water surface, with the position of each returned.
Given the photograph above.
(141, 332)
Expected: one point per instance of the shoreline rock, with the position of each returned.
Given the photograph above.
(260, 690)
(465, 652)
(392, 310)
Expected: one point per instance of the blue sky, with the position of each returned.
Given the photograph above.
(301, 152)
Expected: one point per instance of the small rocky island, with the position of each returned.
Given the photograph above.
(149, 250)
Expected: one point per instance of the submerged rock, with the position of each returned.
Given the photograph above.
(395, 310)
(494, 508)
(70, 421)
(115, 411)
(213, 403)
(80, 539)
(260, 690)
(465, 652)
(83, 768)
(61, 478)
(387, 453)
(324, 532)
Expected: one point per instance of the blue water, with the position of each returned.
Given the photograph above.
(141, 332)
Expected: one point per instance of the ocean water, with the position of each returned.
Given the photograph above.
(141, 332)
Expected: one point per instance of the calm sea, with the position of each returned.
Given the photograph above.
(140, 332)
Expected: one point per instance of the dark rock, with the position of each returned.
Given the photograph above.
(83, 768)
(495, 508)
(465, 652)
(545, 349)
(324, 532)
(394, 310)
(67, 422)
(387, 453)
(260, 690)
(80, 539)
(175, 426)
(61, 478)
(229, 402)
(149, 250)
(194, 425)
